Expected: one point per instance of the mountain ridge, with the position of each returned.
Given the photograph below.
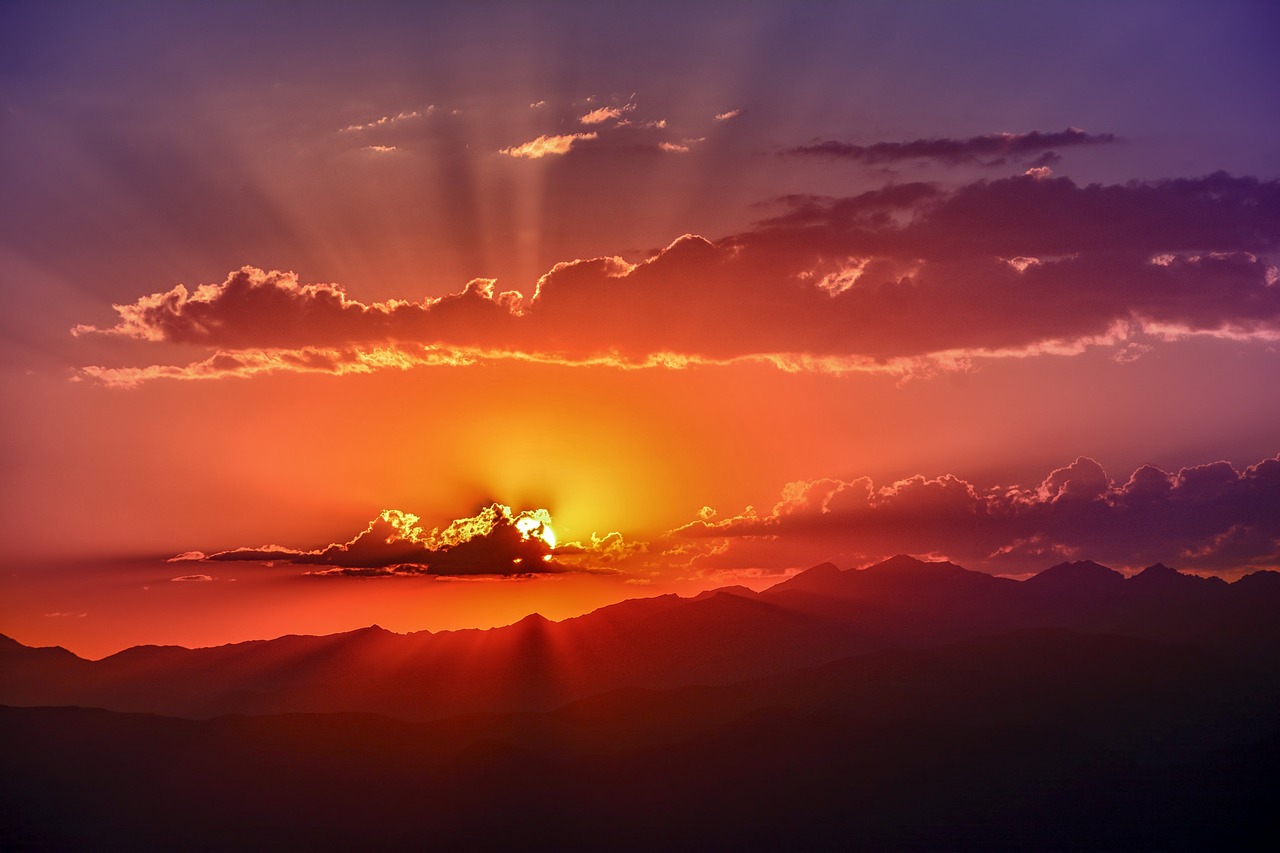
(1030, 739)
(717, 637)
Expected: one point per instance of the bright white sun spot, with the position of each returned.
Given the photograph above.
(536, 524)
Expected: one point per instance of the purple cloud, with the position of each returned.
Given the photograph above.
(991, 149)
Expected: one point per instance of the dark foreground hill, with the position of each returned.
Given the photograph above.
(908, 706)
(819, 616)
(1041, 739)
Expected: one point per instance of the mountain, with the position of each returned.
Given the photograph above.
(910, 705)
(1080, 575)
(818, 616)
(1043, 739)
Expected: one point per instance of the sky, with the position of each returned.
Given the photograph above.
(435, 315)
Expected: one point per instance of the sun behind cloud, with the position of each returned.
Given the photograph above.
(496, 541)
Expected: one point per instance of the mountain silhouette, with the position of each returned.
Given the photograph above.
(909, 705)
(1039, 739)
(718, 637)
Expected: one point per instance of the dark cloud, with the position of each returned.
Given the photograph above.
(748, 298)
(1048, 158)
(1017, 266)
(1023, 215)
(1217, 212)
(991, 149)
(1211, 517)
(495, 541)
(254, 308)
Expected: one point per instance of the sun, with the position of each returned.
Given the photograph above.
(536, 524)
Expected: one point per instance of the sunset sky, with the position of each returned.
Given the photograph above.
(435, 315)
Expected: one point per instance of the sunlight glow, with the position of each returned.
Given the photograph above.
(536, 524)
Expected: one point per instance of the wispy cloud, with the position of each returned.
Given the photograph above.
(545, 146)
(727, 115)
(387, 120)
(603, 114)
(992, 148)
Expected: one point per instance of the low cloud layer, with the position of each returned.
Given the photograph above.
(904, 278)
(991, 149)
(1210, 517)
(497, 541)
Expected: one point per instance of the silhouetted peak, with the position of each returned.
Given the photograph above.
(898, 562)
(1078, 574)
(13, 647)
(534, 619)
(816, 577)
(1262, 581)
(358, 637)
(906, 566)
(736, 589)
(630, 609)
(149, 651)
(1162, 576)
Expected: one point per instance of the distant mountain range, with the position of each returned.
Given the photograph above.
(910, 705)
(820, 615)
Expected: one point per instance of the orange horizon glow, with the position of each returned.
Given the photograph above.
(540, 311)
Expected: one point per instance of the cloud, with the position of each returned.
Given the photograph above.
(192, 578)
(545, 146)
(1212, 517)
(245, 364)
(654, 124)
(728, 114)
(603, 114)
(1055, 216)
(907, 279)
(497, 540)
(380, 149)
(253, 308)
(990, 149)
(387, 120)
(673, 147)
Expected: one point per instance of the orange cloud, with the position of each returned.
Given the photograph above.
(907, 280)
(603, 114)
(257, 309)
(248, 363)
(384, 121)
(545, 146)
